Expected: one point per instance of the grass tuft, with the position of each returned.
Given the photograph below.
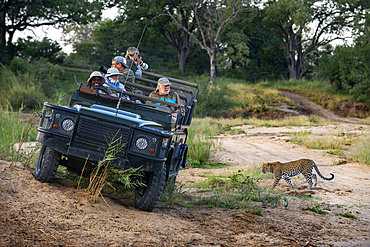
(360, 151)
(15, 129)
(347, 215)
(315, 209)
(235, 191)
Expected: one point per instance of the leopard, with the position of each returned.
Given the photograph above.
(293, 168)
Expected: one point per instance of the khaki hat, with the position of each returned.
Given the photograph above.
(95, 74)
(164, 81)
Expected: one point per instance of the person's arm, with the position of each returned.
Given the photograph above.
(138, 72)
(179, 102)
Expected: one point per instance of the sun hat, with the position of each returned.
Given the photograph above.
(131, 51)
(95, 74)
(164, 81)
(112, 72)
(120, 59)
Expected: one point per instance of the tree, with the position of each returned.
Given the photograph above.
(306, 25)
(23, 14)
(210, 17)
(152, 13)
(34, 50)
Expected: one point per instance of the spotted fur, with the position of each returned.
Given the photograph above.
(293, 168)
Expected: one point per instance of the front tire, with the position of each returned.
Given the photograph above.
(47, 164)
(147, 197)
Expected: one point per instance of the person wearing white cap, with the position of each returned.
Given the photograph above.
(111, 80)
(163, 92)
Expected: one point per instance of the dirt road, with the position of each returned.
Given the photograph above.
(37, 214)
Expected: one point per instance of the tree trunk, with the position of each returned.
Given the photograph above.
(212, 63)
(295, 57)
(2, 31)
(182, 57)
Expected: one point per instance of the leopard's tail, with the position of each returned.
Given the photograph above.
(321, 176)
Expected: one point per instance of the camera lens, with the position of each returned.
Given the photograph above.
(103, 69)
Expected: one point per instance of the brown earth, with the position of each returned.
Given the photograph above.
(41, 214)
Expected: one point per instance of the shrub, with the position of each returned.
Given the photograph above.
(360, 151)
(29, 84)
(201, 143)
(213, 101)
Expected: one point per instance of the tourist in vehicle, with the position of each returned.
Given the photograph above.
(111, 81)
(128, 75)
(135, 62)
(96, 79)
(163, 92)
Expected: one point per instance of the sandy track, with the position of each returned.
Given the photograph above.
(38, 214)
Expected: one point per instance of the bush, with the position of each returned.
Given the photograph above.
(213, 100)
(29, 84)
(347, 69)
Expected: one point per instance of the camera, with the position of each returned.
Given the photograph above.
(103, 69)
(144, 66)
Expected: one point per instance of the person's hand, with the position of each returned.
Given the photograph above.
(138, 60)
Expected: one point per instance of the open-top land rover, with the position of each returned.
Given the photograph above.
(153, 141)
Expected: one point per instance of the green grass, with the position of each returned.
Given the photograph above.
(312, 120)
(15, 129)
(334, 144)
(234, 191)
(316, 209)
(360, 151)
(347, 215)
(202, 144)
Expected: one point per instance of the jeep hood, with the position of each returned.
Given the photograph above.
(125, 117)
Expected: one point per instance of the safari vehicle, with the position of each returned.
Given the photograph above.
(152, 140)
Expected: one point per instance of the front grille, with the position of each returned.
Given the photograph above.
(95, 134)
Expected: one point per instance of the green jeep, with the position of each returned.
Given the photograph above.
(153, 141)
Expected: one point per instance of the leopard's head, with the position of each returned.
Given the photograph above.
(268, 167)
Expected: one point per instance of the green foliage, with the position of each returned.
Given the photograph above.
(35, 50)
(29, 84)
(202, 144)
(175, 194)
(348, 70)
(235, 191)
(347, 215)
(14, 129)
(105, 174)
(21, 15)
(316, 209)
(360, 151)
(212, 101)
(334, 144)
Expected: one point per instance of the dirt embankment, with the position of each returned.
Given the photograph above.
(343, 109)
(41, 214)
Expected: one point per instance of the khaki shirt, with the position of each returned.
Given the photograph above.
(171, 97)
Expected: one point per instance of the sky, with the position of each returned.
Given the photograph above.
(56, 34)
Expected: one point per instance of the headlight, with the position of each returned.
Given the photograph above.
(68, 125)
(141, 143)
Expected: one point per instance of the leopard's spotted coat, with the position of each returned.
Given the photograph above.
(293, 168)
